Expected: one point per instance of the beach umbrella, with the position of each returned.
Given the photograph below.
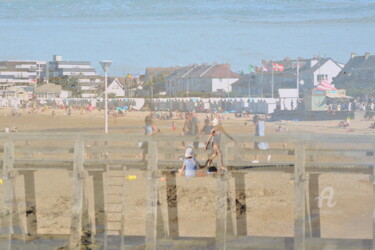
(325, 85)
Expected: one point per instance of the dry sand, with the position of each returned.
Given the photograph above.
(269, 195)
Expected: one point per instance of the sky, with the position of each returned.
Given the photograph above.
(136, 34)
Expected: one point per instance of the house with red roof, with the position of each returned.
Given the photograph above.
(215, 78)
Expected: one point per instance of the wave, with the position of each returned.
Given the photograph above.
(202, 10)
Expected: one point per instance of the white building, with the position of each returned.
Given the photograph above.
(311, 72)
(204, 79)
(60, 68)
(115, 87)
(22, 73)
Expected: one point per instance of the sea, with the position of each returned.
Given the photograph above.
(136, 34)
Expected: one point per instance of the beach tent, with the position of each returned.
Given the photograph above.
(325, 85)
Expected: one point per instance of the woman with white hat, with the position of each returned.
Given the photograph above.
(213, 141)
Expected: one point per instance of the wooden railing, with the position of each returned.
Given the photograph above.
(306, 156)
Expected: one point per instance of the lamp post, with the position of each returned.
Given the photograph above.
(105, 65)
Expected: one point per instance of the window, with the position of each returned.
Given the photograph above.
(322, 77)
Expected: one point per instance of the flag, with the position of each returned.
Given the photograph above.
(264, 69)
(251, 68)
(277, 67)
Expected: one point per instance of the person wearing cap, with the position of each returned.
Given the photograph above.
(190, 166)
(213, 141)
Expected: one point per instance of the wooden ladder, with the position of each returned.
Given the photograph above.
(114, 204)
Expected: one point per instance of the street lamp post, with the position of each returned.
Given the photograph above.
(105, 65)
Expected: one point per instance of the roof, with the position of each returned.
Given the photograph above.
(48, 88)
(204, 71)
(115, 80)
(151, 72)
(304, 65)
(359, 62)
(70, 62)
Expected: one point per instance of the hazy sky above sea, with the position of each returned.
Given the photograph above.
(136, 34)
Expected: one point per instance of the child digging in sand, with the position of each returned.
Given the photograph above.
(190, 166)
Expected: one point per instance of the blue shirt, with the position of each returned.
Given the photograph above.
(191, 165)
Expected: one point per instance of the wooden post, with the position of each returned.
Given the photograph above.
(31, 218)
(231, 210)
(172, 206)
(241, 210)
(78, 196)
(373, 195)
(313, 187)
(99, 203)
(300, 196)
(152, 196)
(221, 211)
(8, 195)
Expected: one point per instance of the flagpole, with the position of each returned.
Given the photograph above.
(272, 83)
(249, 83)
(297, 78)
(262, 80)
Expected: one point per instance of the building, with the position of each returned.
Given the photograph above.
(358, 73)
(60, 68)
(21, 73)
(215, 78)
(115, 87)
(310, 72)
(50, 90)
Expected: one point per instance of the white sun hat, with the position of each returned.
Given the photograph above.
(189, 152)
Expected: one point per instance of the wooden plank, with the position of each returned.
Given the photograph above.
(78, 196)
(171, 186)
(152, 199)
(313, 187)
(8, 195)
(221, 211)
(99, 207)
(231, 213)
(300, 196)
(30, 198)
(241, 208)
(373, 202)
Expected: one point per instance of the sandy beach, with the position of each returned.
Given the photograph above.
(269, 195)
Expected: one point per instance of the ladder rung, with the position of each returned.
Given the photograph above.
(117, 221)
(115, 185)
(114, 212)
(112, 203)
(114, 193)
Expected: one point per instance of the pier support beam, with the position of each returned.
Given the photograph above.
(78, 196)
(8, 195)
(99, 203)
(299, 197)
(30, 198)
(373, 197)
(173, 227)
(313, 187)
(221, 211)
(152, 196)
(241, 210)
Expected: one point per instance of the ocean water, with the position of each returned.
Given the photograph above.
(137, 34)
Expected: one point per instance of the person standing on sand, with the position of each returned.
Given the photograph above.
(213, 141)
(260, 131)
(150, 130)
